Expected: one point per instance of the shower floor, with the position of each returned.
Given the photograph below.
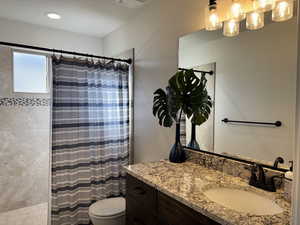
(33, 215)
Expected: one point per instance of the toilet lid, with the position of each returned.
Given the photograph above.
(108, 207)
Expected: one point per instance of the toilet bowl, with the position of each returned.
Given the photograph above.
(109, 211)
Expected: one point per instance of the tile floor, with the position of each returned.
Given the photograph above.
(33, 215)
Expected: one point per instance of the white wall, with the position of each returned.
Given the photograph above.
(154, 34)
(296, 184)
(24, 33)
(255, 81)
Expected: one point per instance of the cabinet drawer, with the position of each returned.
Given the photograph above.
(172, 212)
(142, 193)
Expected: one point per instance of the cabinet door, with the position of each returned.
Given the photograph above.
(172, 212)
(141, 203)
(137, 215)
(142, 193)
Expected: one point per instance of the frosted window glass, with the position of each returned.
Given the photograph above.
(30, 73)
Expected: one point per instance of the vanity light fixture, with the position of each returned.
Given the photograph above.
(231, 28)
(255, 19)
(236, 11)
(265, 5)
(212, 21)
(53, 16)
(283, 10)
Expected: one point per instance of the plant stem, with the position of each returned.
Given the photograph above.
(180, 114)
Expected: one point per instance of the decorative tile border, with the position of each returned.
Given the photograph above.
(24, 101)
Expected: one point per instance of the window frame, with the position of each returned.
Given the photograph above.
(47, 56)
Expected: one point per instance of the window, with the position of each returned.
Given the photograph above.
(30, 72)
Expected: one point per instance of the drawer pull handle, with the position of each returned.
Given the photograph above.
(140, 191)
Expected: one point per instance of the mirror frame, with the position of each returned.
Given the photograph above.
(241, 159)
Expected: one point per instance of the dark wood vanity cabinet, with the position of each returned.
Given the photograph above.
(147, 206)
(172, 212)
(141, 203)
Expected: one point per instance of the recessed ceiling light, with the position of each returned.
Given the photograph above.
(53, 16)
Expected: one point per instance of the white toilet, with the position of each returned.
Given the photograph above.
(109, 211)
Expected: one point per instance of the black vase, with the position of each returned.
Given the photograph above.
(193, 142)
(177, 154)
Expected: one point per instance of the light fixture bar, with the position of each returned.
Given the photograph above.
(282, 10)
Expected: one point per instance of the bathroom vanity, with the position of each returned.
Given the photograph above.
(148, 206)
(163, 193)
(244, 146)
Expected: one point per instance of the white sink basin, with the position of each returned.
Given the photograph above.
(243, 201)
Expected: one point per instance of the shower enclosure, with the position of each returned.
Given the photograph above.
(26, 131)
(24, 149)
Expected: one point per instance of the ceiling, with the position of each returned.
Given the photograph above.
(89, 17)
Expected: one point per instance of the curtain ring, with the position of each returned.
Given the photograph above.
(92, 60)
(87, 59)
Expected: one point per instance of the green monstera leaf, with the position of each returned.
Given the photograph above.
(186, 94)
(161, 108)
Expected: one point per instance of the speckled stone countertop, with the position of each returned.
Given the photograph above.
(186, 183)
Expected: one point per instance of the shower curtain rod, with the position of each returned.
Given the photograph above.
(129, 61)
(198, 71)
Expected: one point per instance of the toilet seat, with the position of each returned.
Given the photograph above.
(108, 208)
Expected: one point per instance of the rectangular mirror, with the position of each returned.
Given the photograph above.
(254, 80)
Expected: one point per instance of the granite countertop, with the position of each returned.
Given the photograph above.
(186, 183)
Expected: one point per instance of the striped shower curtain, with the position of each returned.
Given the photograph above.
(90, 136)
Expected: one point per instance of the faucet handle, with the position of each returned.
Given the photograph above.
(273, 184)
(253, 177)
(262, 174)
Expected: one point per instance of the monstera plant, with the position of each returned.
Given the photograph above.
(186, 95)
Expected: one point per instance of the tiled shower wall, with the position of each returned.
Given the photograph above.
(24, 143)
